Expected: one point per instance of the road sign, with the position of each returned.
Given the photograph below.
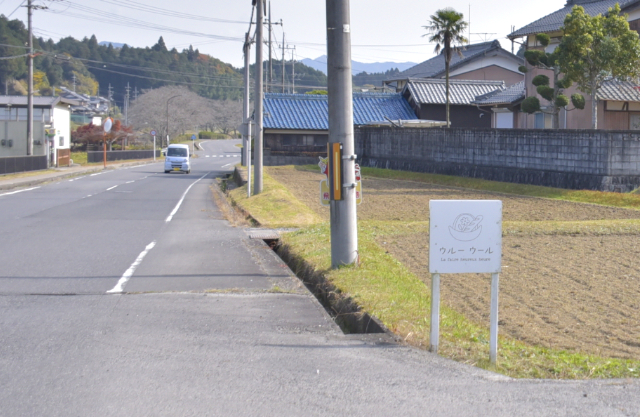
(335, 170)
(108, 124)
(153, 133)
(193, 137)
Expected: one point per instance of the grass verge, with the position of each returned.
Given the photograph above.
(385, 288)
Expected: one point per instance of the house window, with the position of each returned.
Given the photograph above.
(61, 141)
(542, 121)
(307, 140)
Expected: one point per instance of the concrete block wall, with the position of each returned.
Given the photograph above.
(578, 159)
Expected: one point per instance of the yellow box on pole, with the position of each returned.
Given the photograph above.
(334, 151)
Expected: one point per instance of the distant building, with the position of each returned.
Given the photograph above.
(486, 61)
(51, 126)
(618, 102)
(300, 122)
(86, 108)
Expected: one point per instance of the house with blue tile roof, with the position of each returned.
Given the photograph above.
(300, 122)
(618, 102)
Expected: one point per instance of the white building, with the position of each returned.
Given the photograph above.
(51, 126)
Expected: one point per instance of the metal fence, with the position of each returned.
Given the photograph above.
(11, 164)
(97, 156)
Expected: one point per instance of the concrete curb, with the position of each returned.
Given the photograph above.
(29, 182)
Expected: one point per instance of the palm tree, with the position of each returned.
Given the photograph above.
(445, 29)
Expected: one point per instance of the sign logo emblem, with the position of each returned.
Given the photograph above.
(466, 227)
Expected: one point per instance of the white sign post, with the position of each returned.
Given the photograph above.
(465, 236)
(153, 133)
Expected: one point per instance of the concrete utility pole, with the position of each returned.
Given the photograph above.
(258, 111)
(344, 230)
(270, 83)
(283, 66)
(246, 158)
(30, 76)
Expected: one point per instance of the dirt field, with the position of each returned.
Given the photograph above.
(575, 292)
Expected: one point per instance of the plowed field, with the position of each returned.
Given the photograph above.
(574, 291)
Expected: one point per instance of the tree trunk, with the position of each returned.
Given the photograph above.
(555, 120)
(446, 69)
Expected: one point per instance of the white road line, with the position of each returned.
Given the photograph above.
(175, 210)
(19, 191)
(129, 272)
(224, 166)
(109, 189)
(93, 175)
(129, 182)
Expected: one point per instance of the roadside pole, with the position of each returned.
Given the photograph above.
(257, 186)
(153, 133)
(246, 137)
(106, 129)
(344, 233)
(30, 81)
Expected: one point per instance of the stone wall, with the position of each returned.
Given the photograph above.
(577, 159)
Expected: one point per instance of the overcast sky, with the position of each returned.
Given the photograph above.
(382, 30)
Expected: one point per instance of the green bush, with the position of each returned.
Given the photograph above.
(212, 135)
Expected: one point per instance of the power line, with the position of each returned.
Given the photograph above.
(166, 12)
(108, 17)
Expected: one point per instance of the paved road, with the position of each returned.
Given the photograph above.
(111, 306)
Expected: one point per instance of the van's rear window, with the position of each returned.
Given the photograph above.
(176, 152)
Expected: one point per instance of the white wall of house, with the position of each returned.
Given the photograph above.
(62, 126)
(500, 61)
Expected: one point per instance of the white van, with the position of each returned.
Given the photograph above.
(177, 159)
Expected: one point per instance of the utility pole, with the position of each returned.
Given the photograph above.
(135, 94)
(74, 83)
(110, 97)
(283, 66)
(293, 71)
(258, 110)
(126, 105)
(344, 231)
(246, 136)
(270, 83)
(30, 75)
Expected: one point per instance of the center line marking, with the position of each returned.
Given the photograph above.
(129, 182)
(175, 210)
(129, 272)
(108, 189)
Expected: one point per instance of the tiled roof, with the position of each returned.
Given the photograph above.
(619, 91)
(434, 67)
(509, 95)
(311, 112)
(554, 21)
(41, 101)
(433, 91)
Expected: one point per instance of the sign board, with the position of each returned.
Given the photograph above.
(465, 236)
(153, 133)
(193, 137)
(334, 151)
(325, 191)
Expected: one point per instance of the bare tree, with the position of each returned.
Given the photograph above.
(170, 111)
(226, 115)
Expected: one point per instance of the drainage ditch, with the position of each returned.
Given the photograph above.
(342, 308)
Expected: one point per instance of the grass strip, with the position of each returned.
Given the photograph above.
(623, 200)
(275, 207)
(385, 288)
